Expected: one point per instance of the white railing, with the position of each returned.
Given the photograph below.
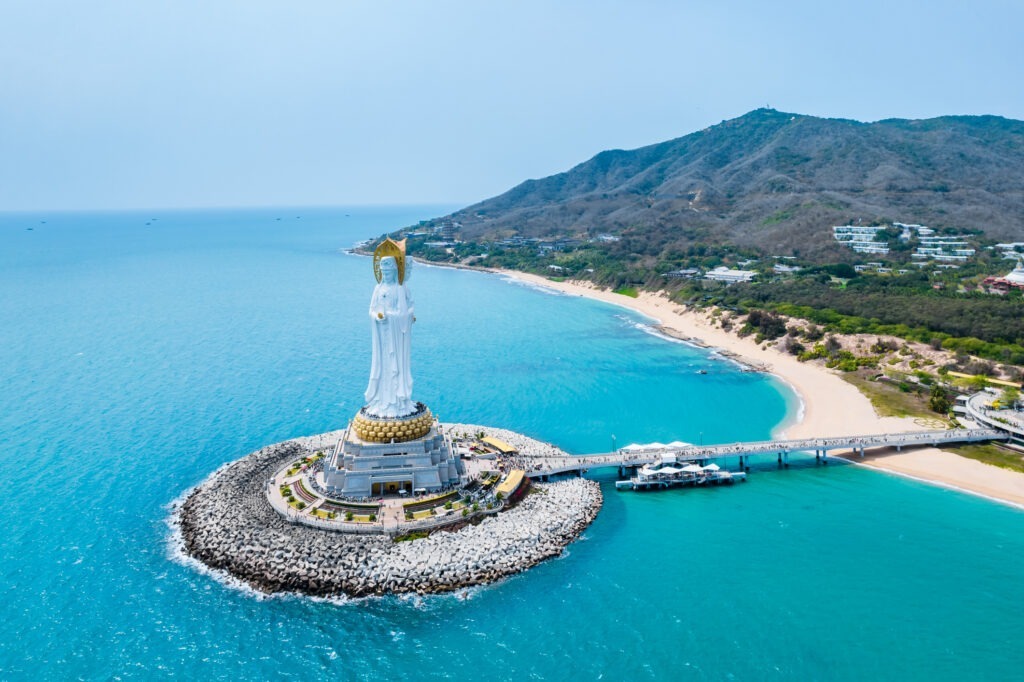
(552, 465)
(981, 413)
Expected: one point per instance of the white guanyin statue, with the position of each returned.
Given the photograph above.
(389, 393)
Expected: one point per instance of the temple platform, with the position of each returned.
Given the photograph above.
(360, 468)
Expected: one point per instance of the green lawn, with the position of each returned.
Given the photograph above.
(888, 400)
(627, 291)
(990, 453)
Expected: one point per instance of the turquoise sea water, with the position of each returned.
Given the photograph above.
(136, 358)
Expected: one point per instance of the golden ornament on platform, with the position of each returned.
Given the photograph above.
(400, 429)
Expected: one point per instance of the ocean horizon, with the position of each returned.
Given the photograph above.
(145, 349)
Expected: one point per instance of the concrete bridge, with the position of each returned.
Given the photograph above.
(546, 466)
(978, 408)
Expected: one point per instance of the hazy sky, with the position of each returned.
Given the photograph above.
(187, 104)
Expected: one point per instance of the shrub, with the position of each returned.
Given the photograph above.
(924, 377)
(465, 512)
(373, 517)
(882, 346)
(980, 367)
(847, 365)
(939, 400)
(814, 354)
(768, 325)
(814, 333)
(448, 504)
(840, 357)
(301, 505)
(348, 516)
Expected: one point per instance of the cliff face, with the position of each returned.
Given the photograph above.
(776, 182)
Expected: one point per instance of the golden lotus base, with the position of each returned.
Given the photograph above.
(400, 429)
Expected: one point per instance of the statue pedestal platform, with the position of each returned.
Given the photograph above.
(362, 468)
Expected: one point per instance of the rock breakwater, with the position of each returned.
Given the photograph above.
(227, 524)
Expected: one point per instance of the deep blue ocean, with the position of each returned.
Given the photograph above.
(140, 351)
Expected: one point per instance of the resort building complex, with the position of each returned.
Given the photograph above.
(861, 238)
(947, 248)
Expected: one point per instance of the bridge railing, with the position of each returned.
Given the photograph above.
(979, 411)
(553, 465)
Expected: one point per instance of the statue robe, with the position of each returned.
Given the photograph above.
(389, 393)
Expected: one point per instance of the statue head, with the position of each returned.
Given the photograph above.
(396, 251)
(389, 270)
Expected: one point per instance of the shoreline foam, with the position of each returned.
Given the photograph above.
(227, 526)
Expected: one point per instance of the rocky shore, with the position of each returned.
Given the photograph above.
(227, 524)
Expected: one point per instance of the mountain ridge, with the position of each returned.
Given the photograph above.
(775, 182)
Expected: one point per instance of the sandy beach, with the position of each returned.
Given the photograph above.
(830, 406)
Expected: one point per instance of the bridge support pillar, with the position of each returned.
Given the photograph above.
(824, 457)
(899, 448)
(785, 459)
(862, 452)
(817, 456)
(780, 459)
(741, 463)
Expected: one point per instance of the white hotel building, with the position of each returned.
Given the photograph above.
(860, 238)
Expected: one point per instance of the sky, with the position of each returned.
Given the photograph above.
(177, 104)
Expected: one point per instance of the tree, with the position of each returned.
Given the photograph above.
(843, 270)
(832, 345)
(939, 400)
(1010, 396)
(979, 382)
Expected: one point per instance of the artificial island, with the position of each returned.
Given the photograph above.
(327, 514)
(397, 502)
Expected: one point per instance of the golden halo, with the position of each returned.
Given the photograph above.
(389, 247)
